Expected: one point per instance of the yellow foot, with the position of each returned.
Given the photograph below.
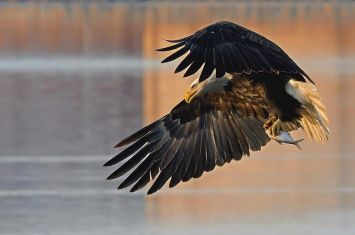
(274, 130)
(269, 123)
(279, 125)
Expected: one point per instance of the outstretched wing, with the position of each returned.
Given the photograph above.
(193, 138)
(228, 47)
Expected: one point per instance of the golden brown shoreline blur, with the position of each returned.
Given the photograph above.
(80, 28)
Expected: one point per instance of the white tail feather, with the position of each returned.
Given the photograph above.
(314, 119)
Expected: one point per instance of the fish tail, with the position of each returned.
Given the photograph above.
(297, 143)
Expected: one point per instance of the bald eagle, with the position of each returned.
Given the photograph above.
(249, 90)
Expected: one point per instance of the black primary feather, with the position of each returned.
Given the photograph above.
(235, 50)
(176, 150)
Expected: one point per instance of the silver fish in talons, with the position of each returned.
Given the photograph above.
(285, 138)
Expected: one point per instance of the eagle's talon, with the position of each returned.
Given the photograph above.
(276, 127)
(279, 126)
(269, 123)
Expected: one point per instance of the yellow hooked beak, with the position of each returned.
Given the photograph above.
(189, 94)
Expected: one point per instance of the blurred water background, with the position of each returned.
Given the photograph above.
(76, 77)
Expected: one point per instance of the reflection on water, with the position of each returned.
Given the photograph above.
(67, 112)
(74, 79)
